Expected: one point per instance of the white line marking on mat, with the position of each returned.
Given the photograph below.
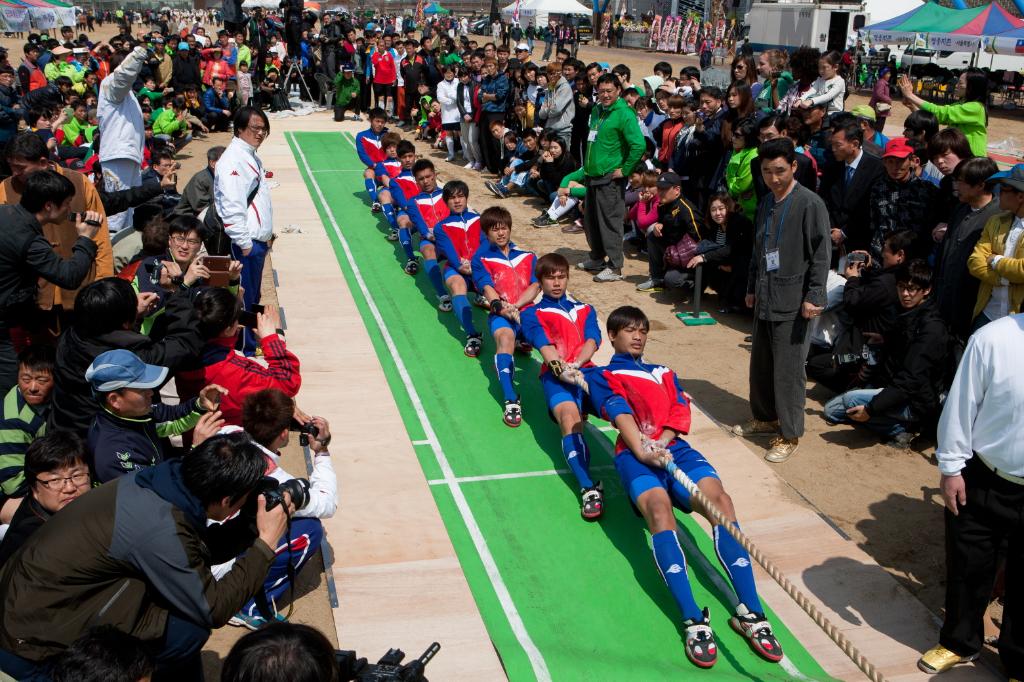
(540, 668)
(520, 474)
(421, 442)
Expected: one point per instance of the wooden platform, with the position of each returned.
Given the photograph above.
(398, 580)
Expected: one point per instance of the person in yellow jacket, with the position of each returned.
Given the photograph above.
(60, 66)
(998, 257)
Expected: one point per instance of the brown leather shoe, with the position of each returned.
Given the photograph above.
(572, 228)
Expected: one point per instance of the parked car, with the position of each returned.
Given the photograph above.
(920, 56)
(481, 27)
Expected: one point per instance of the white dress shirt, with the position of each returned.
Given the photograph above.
(982, 413)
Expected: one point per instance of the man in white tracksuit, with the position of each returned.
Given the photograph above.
(242, 201)
(122, 132)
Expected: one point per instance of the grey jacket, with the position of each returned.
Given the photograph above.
(558, 109)
(805, 250)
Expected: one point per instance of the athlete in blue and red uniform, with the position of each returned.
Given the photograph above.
(505, 276)
(457, 237)
(423, 209)
(383, 172)
(652, 413)
(370, 151)
(567, 335)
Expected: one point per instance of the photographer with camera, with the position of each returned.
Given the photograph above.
(268, 416)
(152, 579)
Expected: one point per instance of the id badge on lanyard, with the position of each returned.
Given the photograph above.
(772, 260)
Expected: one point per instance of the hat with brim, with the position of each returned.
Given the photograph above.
(60, 51)
(669, 179)
(348, 68)
(1014, 177)
(182, 45)
(897, 148)
(522, 47)
(117, 369)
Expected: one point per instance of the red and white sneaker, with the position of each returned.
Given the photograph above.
(701, 648)
(513, 414)
(756, 629)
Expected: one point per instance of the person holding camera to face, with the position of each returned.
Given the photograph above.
(149, 579)
(269, 416)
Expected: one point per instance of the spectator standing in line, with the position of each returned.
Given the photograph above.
(998, 257)
(900, 199)
(494, 91)
(846, 185)
(615, 147)
(241, 200)
(26, 256)
(786, 289)
(123, 131)
(980, 453)
(558, 108)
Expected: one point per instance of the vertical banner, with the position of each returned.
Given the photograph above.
(666, 34)
(690, 35)
(606, 23)
(419, 13)
(676, 33)
(652, 42)
(515, 12)
(720, 33)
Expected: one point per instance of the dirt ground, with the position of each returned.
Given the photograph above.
(884, 500)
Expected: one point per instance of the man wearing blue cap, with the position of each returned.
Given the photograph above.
(998, 257)
(130, 430)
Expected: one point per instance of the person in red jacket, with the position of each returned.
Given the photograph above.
(217, 312)
(385, 74)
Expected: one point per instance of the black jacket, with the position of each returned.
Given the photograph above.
(9, 117)
(118, 445)
(27, 520)
(554, 172)
(871, 302)
(122, 199)
(46, 98)
(73, 403)
(26, 255)
(739, 243)
(678, 218)
(185, 71)
(916, 355)
(849, 207)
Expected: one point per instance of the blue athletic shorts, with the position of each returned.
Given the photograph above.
(557, 392)
(449, 271)
(637, 478)
(496, 322)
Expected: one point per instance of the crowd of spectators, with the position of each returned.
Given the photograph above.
(867, 261)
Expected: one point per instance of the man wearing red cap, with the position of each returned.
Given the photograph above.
(900, 200)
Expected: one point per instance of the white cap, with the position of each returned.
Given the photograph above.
(522, 46)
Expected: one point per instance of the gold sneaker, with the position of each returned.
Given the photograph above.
(780, 449)
(755, 426)
(939, 659)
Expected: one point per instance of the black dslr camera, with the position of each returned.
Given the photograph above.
(274, 490)
(305, 431)
(388, 669)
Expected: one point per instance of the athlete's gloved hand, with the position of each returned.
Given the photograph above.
(497, 305)
(556, 367)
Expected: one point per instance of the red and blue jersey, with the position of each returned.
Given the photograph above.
(564, 323)
(457, 236)
(404, 185)
(388, 167)
(426, 210)
(509, 275)
(369, 148)
(651, 393)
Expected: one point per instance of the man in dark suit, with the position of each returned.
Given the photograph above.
(846, 186)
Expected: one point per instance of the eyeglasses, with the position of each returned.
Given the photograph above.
(178, 239)
(257, 131)
(909, 288)
(77, 480)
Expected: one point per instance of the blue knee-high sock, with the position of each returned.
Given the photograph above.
(389, 213)
(736, 562)
(465, 313)
(576, 454)
(371, 188)
(672, 564)
(506, 367)
(434, 275)
(405, 239)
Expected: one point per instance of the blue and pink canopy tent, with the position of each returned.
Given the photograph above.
(25, 15)
(954, 30)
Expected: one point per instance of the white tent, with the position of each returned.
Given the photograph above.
(537, 11)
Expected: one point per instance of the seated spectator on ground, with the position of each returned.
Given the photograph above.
(998, 257)
(171, 124)
(163, 171)
(676, 218)
(216, 107)
(104, 654)
(130, 430)
(149, 578)
(56, 472)
(105, 318)
(198, 193)
(956, 290)
(218, 313)
(268, 416)
(725, 253)
(904, 399)
(25, 409)
(900, 200)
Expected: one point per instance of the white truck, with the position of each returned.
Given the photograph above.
(790, 24)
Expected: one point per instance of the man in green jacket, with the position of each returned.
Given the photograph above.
(346, 93)
(615, 145)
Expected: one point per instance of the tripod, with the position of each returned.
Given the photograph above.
(293, 68)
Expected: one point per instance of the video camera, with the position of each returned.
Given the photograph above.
(273, 491)
(388, 669)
